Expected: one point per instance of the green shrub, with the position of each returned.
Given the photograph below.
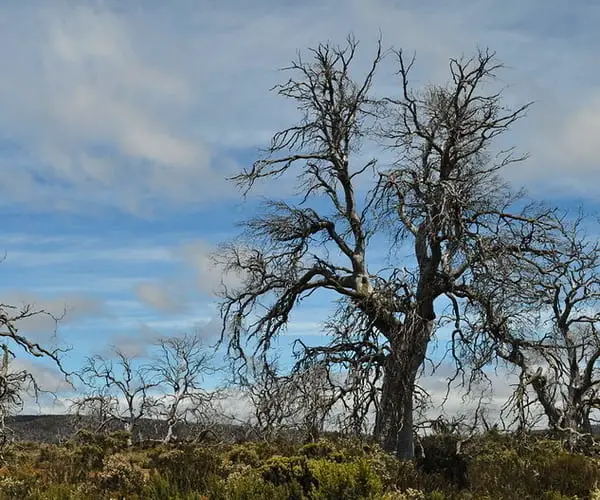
(188, 468)
(319, 449)
(395, 474)
(288, 470)
(158, 488)
(69, 465)
(349, 480)
(441, 459)
(112, 442)
(88, 457)
(13, 488)
(58, 491)
(497, 467)
(119, 475)
(243, 454)
(530, 469)
(409, 494)
(555, 495)
(253, 486)
(321, 478)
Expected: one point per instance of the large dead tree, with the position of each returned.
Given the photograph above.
(440, 201)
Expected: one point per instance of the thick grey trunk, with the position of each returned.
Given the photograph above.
(394, 421)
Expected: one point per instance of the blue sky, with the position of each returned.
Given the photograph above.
(121, 120)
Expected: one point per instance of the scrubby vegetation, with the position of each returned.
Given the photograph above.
(493, 466)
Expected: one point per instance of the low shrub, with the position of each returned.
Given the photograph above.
(244, 454)
(531, 468)
(188, 468)
(288, 470)
(253, 486)
(118, 476)
(349, 480)
(493, 466)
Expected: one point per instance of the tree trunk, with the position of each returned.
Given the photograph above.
(586, 423)
(169, 435)
(394, 420)
(394, 423)
(129, 430)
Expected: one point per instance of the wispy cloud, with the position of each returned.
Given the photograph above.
(164, 298)
(97, 94)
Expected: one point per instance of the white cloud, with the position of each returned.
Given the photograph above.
(48, 377)
(455, 401)
(135, 344)
(89, 251)
(578, 140)
(161, 297)
(209, 276)
(139, 340)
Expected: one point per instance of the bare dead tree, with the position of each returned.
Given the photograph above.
(270, 398)
(352, 364)
(12, 317)
(309, 401)
(16, 384)
(442, 197)
(297, 404)
(570, 342)
(546, 325)
(450, 203)
(121, 386)
(315, 400)
(95, 411)
(179, 368)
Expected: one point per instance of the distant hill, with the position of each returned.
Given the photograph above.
(41, 428)
(58, 428)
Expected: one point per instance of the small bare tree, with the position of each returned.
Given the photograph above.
(121, 387)
(542, 316)
(270, 400)
(95, 411)
(442, 196)
(295, 404)
(315, 399)
(179, 368)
